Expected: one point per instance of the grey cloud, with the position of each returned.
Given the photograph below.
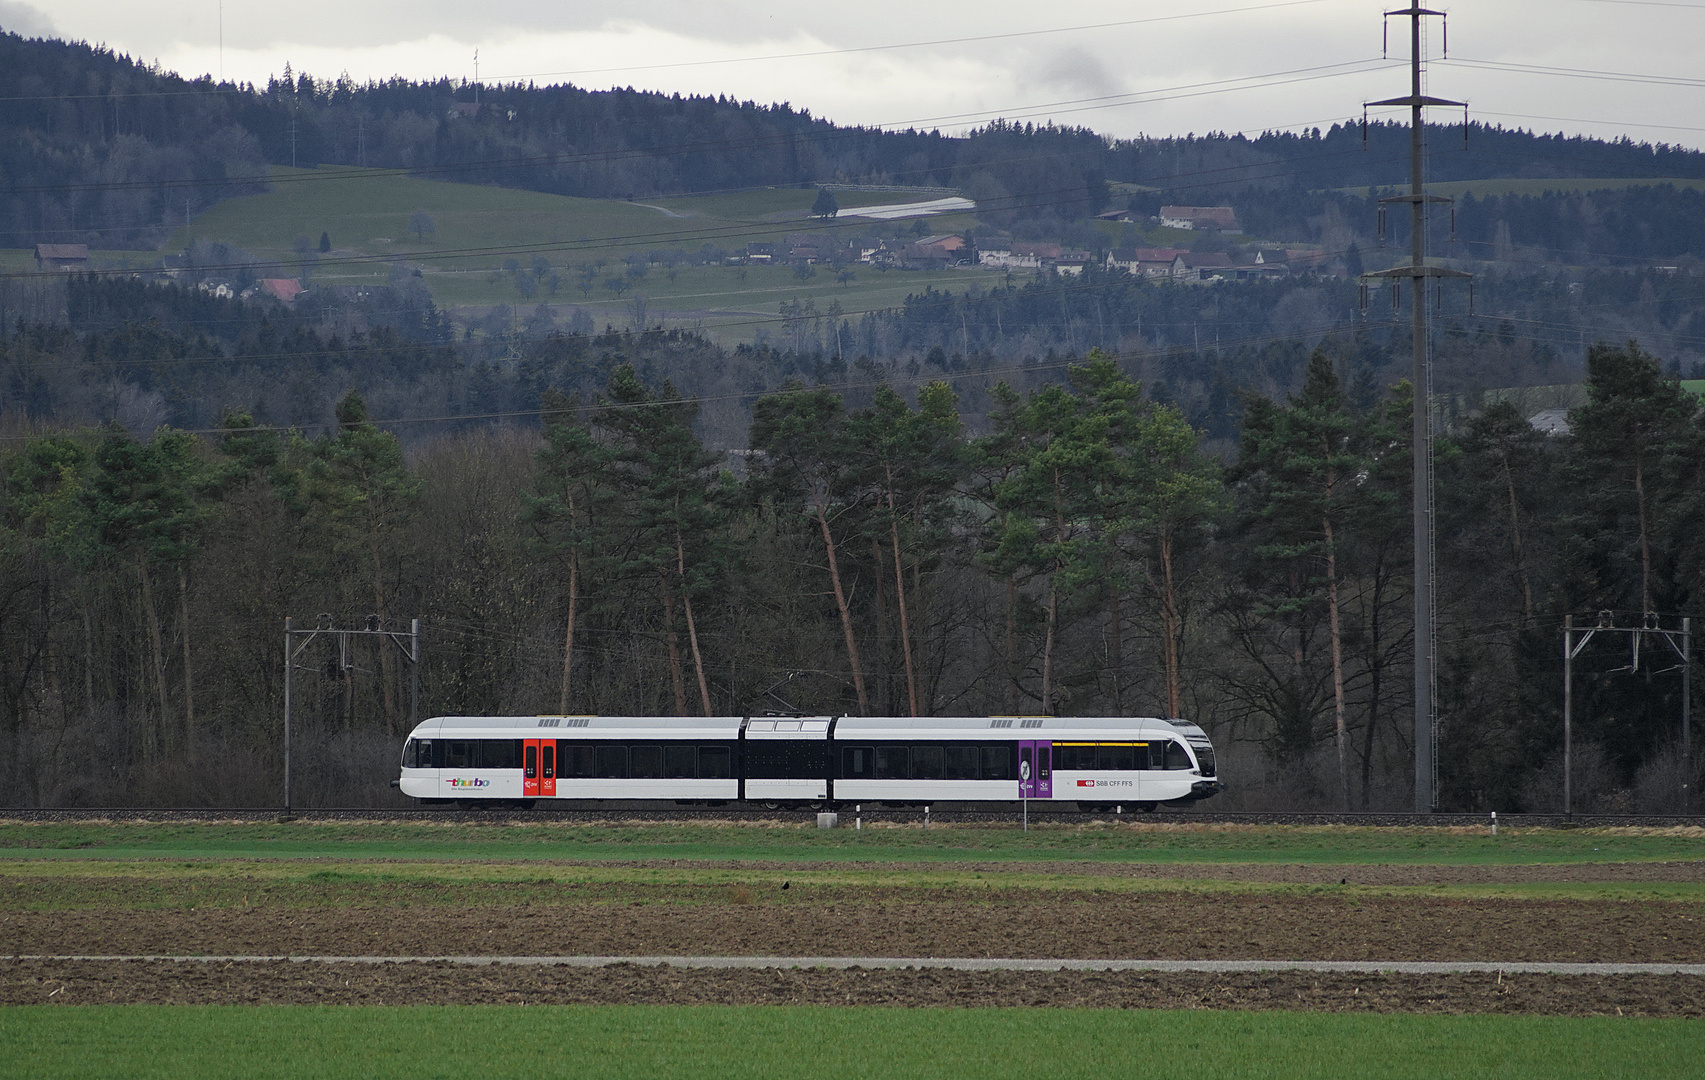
(25, 20)
(1079, 72)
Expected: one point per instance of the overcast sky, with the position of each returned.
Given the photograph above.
(1128, 69)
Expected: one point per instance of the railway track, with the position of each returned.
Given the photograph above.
(942, 814)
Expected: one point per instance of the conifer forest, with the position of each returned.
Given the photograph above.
(878, 545)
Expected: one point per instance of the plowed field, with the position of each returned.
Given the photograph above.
(1249, 912)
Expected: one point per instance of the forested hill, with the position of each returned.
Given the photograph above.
(97, 148)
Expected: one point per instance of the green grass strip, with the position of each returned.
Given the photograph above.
(1134, 842)
(763, 1043)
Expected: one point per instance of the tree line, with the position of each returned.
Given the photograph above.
(100, 149)
(145, 354)
(1077, 553)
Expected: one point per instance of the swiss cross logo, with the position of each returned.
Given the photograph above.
(1086, 783)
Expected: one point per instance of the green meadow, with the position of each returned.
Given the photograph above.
(478, 228)
(512, 839)
(853, 1043)
(366, 214)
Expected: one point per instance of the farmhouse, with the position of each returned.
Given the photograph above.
(1159, 263)
(283, 289)
(1223, 218)
(62, 256)
(936, 252)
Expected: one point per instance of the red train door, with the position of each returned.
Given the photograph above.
(530, 768)
(547, 767)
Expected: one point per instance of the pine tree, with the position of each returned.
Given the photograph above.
(805, 454)
(1303, 467)
(568, 510)
(907, 463)
(676, 502)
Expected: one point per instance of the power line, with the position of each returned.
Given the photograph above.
(1575, 73)
(1584, 120)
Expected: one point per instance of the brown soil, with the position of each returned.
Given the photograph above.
(827, 921)
(28, 982)
(96, 915)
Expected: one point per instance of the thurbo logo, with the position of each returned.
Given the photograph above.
(475, 782)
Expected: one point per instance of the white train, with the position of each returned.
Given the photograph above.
(809, 761)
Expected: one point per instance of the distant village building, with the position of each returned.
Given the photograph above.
(1071, 263)
(285, 290)
(936, 252)
(1223, 218)
(1206, 265)
(62, 256)
(1019, 256)
(1157, 263)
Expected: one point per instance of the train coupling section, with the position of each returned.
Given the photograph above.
(1202, 789)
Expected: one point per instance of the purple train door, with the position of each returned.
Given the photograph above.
(1035, 769)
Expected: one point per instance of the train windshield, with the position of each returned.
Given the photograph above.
(1204, 758)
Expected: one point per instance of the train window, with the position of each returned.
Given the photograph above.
(548, 753)
(678, 762)
(1176, 756)
(891, 763)
(926, 763)
(962, 762)
(1044, 761)
(531, 768)
(715, 763)
(576, 760)
(782, 760)
(612, 762)
(418, 754)
(645, 762)
(1140, 756)
(997, 762)
(1115, 758)
(459, 754)
(767, 760)
(857, 762)
(500, 753)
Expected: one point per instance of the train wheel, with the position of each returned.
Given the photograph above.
(770, 805)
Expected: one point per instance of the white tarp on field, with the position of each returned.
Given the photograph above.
(889, 212)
